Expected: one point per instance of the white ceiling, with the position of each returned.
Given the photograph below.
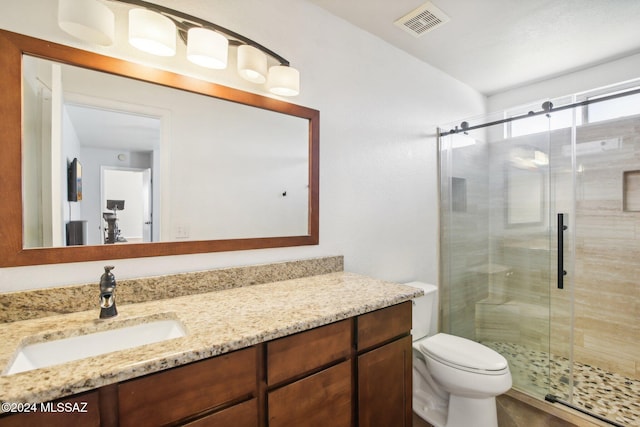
(495, 45)
(116, 130)
(491, 45)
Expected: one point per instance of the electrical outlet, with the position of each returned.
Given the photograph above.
(182, 232)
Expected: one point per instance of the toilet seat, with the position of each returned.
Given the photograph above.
(464, 354)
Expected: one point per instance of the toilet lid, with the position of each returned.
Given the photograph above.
(463, 353)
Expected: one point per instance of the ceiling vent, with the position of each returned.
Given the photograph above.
(422, 20)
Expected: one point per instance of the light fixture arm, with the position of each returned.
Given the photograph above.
(192, 21)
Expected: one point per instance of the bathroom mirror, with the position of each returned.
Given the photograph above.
(237, 171)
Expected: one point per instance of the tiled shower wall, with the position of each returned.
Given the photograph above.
(607, 271)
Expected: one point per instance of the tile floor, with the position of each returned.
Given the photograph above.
(605, 393)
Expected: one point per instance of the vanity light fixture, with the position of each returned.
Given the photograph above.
(207, 48)
(284, 81)
(154, 29)
(152, 32)
(252, 64)
(87, 20)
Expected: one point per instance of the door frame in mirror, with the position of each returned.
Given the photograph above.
(12, 47)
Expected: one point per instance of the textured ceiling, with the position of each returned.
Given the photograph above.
(495, 45)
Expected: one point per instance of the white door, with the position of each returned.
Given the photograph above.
(134, 187)
(146, 206)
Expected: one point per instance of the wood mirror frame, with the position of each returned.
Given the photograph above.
(12, 47)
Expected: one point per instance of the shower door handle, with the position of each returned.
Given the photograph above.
(561, 271)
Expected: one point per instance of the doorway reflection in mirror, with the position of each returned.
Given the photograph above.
(112, 233)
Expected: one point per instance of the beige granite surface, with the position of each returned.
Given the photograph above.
(69, 299)
(216, 323)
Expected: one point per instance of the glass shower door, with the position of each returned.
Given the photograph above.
(572, 338)
(561, 255)
(495, 245)
(601, 299)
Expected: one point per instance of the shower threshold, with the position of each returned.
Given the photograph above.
(555, 399)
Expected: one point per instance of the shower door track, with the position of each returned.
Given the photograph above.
(547, 107)
(555, 399)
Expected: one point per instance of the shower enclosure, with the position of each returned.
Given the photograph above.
(540, 245)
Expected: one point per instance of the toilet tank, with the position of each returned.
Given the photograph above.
(425, 311)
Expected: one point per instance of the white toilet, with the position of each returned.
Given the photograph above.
(455, 380)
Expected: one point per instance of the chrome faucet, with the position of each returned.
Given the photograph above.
(107, 293)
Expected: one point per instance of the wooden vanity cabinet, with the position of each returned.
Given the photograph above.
(354, 372)
(368, 382)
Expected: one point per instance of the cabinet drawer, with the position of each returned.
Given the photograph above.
(241, 415)
(383, 325)
(172, 395)
(298, 354)
(320, 400)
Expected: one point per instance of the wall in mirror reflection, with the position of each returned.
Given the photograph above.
(219, 170)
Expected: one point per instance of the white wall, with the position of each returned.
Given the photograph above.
(613, 72)
(72, 211)
(245, 169)
(32, 158)
(378, 156)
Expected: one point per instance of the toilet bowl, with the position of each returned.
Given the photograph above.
(455, 380)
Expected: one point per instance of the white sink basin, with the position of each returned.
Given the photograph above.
(49, 353)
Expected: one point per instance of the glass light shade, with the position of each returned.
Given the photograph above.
(284, 80)
(88, 20)
(207, 48)
(252, 64)
(152, 33)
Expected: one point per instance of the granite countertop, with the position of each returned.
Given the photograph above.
(215, 322)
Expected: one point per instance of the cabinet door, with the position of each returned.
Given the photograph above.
(320, 400)
(384, 385)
